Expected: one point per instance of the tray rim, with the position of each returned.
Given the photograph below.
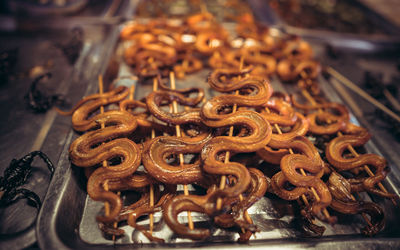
(370, 43)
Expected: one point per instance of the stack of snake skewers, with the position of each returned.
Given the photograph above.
(208, 143)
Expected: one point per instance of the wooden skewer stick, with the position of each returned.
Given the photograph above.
(131, 93)
(130, 97)
(203, 7)
(361, 93)
(179, 134)
(312, 101)
(105, 164)
(227, 156)
(185, 63)
(153, 135)
(325, 211)
(115, 224)
(150, 61)
(349, 147)
(391, 99)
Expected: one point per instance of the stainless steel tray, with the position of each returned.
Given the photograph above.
(363, 43)
(67, 218)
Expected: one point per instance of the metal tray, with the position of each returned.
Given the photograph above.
(67, 218)
(363, 43)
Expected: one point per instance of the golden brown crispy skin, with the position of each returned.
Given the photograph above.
(224, 80)
(258, 187)
(300, 128)
(296, 48)
(148, 58)
(258, 133)
(195, 203)
(309, 160)
(223, 59)
(91, 103)
(201, 22)
(259, 129)
(96, 146)
(131, 105)
(186, 92)
(206, 204)
(143, 118)
(136, 182)
(342, 202)
(189, 65)
(270, 153)
(161, 53)
(279, 183)
(207, 42)
(247, 27)
(280, 112)
(144, 209)
(357, 136)
(109, 229)
(80, 118)
(130, 32)
(157, 151)
(85, 151)
(263, 65)
(129, 165)
(333, 118)
(156, 98)
(290, 69)
(118, 148)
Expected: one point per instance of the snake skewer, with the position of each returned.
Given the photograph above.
(349, 147)
(304, 198)
(179, 134)
(153, 135)
(130, 97)
(227, 156)
(102, 126)
(313, 102)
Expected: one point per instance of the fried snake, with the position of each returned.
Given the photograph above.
(259, 129)
(96, 146)
(310, 161)
(342, 202)
(157, 151)
(358, 136)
